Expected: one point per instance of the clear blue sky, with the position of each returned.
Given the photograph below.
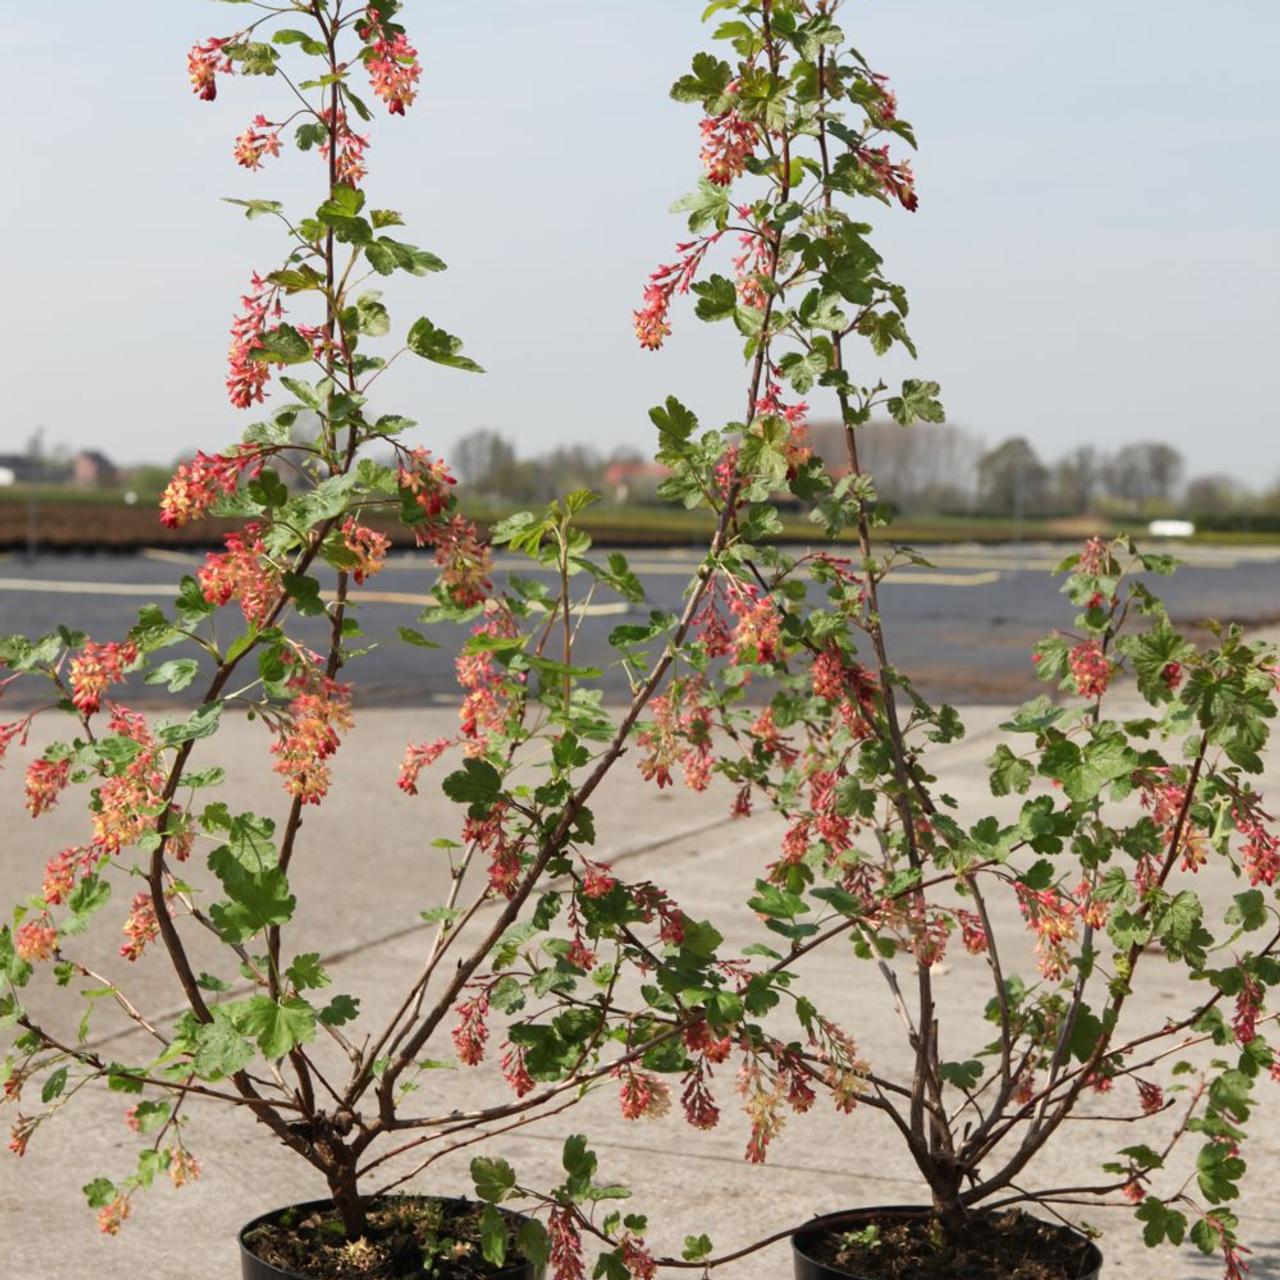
(1096, 258)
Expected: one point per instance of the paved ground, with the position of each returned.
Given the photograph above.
(963, 628)
(364, 872)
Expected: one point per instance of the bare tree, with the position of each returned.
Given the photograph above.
(1142, 472)
(1215, 495)
(1076, 479)
(929, 468)
(1012, 480)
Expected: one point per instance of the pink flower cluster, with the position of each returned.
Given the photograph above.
(261, 138)
(368, 546)
(471, 1033)
(248, 376)
(896, 180)
(1095, 558)
(465, 561)
(310, 733)
(516, 1073)
(490, 687)
(349, 165)
(36, 940)
(566, 1245)
(198, 484)
(758, 632)
(728, 142)
(490, 837)
(1051, 914)
(392, 64)
(141, 926)
(707, 1050)
(204, 63)
(428, 480)
(65, 869)
(1259, 848)
(1090, 669)
(416, 758)
(14, 730)
(242, 573)
(641, 1095)
(678, 734)
(754, 264)
(95, 667)
(651, 320)
(45, 782)
(1248, 1007)
(973, 933)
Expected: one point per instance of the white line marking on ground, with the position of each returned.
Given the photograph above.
(166, 556)
(53, 587)
(915, 578)
(34, 585)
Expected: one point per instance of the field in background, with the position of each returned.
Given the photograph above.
(88, 520)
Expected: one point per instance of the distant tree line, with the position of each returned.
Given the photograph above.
(930, 469)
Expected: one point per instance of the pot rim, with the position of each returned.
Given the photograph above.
(516, 1271)
(825, 1223)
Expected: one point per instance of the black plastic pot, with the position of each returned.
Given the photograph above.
(253, 1267)
(808, 1267)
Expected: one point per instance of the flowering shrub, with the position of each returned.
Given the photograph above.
(534, 933)
(775, 675)
(1122, 815)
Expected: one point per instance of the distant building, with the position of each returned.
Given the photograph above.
(636, 481)
(26, 469)
(93, 470)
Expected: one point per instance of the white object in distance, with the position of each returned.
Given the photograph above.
(1171, 528)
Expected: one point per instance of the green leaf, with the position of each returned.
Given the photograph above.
(304, 591)
(339, 1010)
(253, 57)
(267, 489)
(282, 345)
(1161, 1222)
(1008, 772)
(917, 403)
(372, 317)
(150, 1116)
(493, 1235)
(1218, 1172)
(675, 425)
(386, 254)
(494, 1178)
(707, 206)
(963, 1075)
(202, 723)
(221, 1049)
(580, 1164)
(1249, 910)
(438, 346)
(100, 1193)
(707, 84)
(177, 674)
(717, 298)
(279, 1026)
(257, 899)
(532, 1241)
(341, 213)
(307, 43)
(1206, 1236)
(54, 1085)
(696, 1248)
(255, 208)
(306, 972)
(477, 784)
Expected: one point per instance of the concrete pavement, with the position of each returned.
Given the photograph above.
(364, 870)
